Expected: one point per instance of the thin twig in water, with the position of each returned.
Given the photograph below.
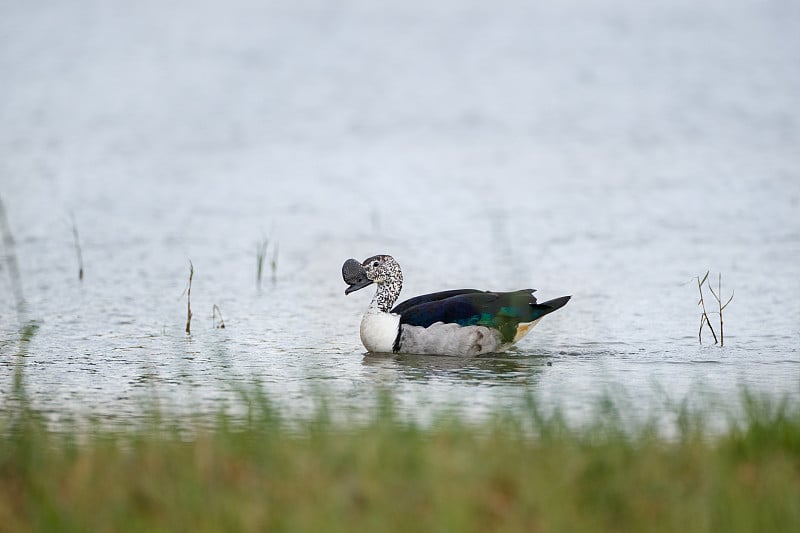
(189, 300)
(13, 266)
(261, 252)
(704, 316)
(274, 262)
(77, 246)
(718, 298)
(214, 312)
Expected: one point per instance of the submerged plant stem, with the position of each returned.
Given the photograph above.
(214, 312)
(261, 252)
(704, 316)
(274, 262)
(718, 298)
(13, 266)
(77, 241)
(189, 300)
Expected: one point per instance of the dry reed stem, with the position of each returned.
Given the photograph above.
(261, 252)
(704, 316)
(274, 262)
(214, 312)
(77, 241)
(13, 265)
(718, 298)
(189, 300)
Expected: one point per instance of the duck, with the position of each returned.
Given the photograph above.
(459, 322)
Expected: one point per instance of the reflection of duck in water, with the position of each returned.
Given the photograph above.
(490, 370)
(455, 322)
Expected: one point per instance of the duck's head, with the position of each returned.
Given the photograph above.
(380, 269)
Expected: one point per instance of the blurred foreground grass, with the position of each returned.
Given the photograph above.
(524, 472)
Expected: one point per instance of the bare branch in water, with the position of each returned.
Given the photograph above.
(13, 266)
(189, 300)
(718, 298)
(704, 315)
(214, 312)
(77, 246)
(261, 252)
(274, 262)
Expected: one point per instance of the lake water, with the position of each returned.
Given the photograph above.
(612, 152)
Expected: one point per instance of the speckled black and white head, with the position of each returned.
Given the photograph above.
(382, 270)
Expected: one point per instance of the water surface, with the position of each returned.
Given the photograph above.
(610, 152)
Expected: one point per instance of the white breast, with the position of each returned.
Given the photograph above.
(379, 331)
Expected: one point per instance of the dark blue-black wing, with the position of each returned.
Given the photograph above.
(500, 310)
(400, 308)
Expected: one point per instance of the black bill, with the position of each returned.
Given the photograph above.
(354, 275)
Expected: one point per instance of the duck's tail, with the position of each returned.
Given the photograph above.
(555, 303)
(538, 310)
